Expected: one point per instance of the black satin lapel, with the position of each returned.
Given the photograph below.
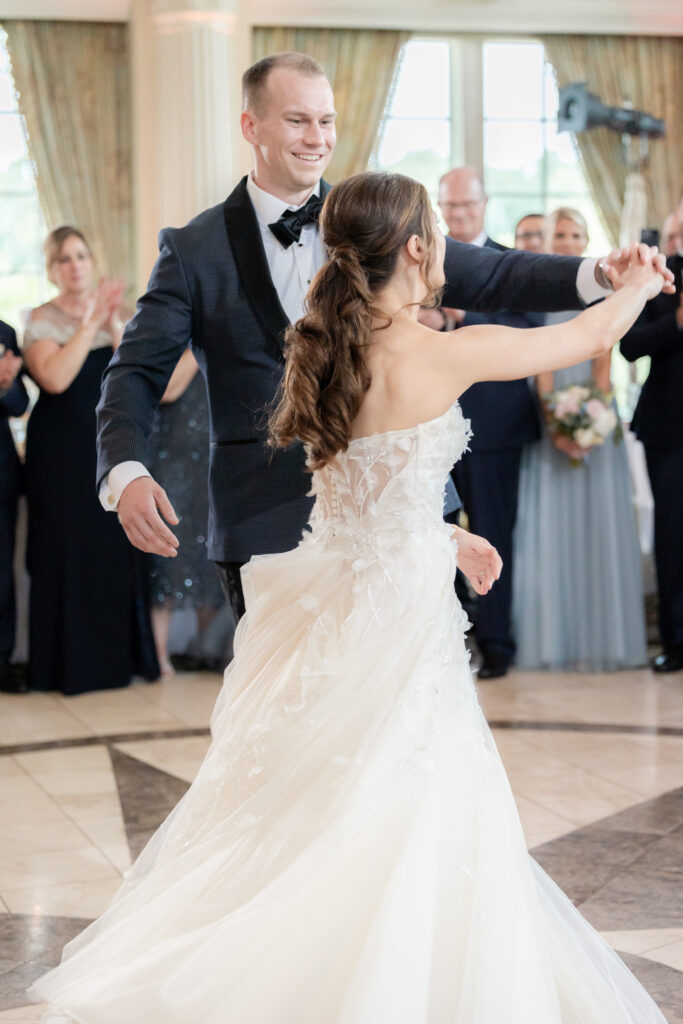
(250, 258)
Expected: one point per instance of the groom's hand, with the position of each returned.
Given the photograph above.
(140, 509)
(614, 266)
(477, 559)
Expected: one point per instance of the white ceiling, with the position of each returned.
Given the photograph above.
(632, 17)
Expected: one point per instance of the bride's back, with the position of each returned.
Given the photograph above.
(405, 386)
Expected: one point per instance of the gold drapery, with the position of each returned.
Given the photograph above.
(73, 81)
(648, 72)
(360, 65)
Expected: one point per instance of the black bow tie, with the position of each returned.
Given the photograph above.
(288, 228)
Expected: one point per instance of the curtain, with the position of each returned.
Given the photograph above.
(73, 82)
(360, 65)
(648, 72)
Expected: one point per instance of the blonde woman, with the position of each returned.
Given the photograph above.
(86, 614)
(578, 598)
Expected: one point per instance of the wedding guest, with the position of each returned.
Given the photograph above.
(87, 628)
(658, 423)
(672, 235)
(180, 463)
(578, 601)
(504, 417)
(530, 233)
(13, 402)
(230, 281)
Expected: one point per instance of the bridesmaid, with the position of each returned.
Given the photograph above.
(88, 629)
(578, 596)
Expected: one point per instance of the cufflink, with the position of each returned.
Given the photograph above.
(111, 500)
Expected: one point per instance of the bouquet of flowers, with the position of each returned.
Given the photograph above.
(583, 413)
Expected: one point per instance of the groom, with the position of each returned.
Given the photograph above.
(228, 283)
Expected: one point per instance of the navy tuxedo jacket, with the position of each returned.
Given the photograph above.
(504, 414)
(211, 287)
(13, 402)
(658, 418)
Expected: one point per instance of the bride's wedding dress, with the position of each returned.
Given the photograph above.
(350, 851)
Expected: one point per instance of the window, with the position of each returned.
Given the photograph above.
(528, 165)
(22, 272)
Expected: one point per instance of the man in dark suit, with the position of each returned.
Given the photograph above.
(228, 283)
(658, 423)
(13, 402)
(504, 417)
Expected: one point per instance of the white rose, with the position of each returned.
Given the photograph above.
(605, 423)
(584, 437)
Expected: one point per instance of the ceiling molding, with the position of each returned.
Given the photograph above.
(618, 17)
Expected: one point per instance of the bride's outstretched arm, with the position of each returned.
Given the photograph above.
(492, 352)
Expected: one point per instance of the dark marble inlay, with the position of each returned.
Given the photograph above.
(34, 943)
(173, 734)
(625, 871)
(147, 797)
(662, 982)
(99, 741)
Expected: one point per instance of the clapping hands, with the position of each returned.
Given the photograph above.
(105, 304)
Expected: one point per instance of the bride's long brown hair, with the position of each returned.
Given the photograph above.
(365, 222)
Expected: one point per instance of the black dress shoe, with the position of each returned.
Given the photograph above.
(13, 679)
(493, 667)
(668, 661)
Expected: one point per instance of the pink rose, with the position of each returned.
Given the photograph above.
(595, 408)
(567, 405)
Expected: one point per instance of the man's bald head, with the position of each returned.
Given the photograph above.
(462, 201)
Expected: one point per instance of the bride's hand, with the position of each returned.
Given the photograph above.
(477, 559)
(642, 265)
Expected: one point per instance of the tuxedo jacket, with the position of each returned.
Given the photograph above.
(211, 287)
(13, 402)
(504, 414)
(658, 417)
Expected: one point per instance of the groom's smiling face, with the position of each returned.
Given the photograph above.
(292, 132)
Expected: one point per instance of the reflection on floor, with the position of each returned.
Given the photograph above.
(595, 762)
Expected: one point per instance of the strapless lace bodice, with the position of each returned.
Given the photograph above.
(388, 482)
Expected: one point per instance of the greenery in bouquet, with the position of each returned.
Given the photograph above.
(583, 413)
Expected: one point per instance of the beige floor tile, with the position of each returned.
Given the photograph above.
(70, 899)
(118, 854)
(37, 718)
(53, 832)
(189, 697)
(671, 955)
(642, 941)
(53, 867)
(181, 757)
(540, 824)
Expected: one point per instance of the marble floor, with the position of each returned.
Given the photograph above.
(595, 763)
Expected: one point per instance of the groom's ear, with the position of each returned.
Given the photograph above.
(248, 126)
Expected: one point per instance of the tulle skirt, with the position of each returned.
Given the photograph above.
(350, 851)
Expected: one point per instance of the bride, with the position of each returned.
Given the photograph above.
(350, 851)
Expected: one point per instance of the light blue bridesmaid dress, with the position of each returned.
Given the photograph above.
(578, 594)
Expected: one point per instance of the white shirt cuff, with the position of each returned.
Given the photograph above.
(587, 287)
(116, 482)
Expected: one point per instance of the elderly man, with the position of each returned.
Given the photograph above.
(658, 423)
(504, 419)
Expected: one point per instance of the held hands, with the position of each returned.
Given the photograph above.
(477, 559)
(140, 509)
(9, 368)
(621, 267)
(569, 447)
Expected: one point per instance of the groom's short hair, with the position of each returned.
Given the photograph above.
(255, 78)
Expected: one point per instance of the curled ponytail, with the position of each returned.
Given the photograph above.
(365, 222)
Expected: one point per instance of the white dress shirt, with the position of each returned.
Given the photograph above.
(292, 271)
